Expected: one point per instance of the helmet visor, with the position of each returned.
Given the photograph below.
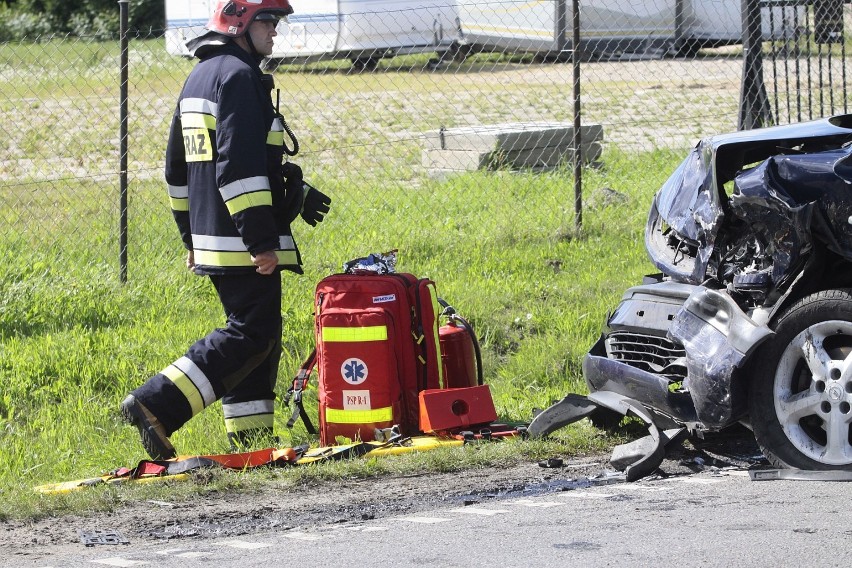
(271, 17)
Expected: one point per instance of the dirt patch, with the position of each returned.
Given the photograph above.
(354, 500)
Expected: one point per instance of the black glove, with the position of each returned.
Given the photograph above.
(294, 193)
(291, 172)
(315, 205)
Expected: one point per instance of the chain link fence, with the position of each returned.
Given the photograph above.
(389, 100)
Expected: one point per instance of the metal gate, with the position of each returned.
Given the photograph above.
(795, 61)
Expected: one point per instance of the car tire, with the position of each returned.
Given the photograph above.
(362, 64)
(800, 396)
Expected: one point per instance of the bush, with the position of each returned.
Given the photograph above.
(145, 14)
(24, 26)
(102, 26)
(30, 19)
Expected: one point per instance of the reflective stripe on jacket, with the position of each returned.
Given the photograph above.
(223, 164)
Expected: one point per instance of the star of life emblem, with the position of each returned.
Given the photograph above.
(354, 371)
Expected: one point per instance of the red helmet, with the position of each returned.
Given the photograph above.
(233, 17)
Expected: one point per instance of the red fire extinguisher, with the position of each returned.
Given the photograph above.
(460, 353)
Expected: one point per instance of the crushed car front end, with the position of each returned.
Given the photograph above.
(749, 224)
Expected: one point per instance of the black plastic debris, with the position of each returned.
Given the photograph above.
(97, 536)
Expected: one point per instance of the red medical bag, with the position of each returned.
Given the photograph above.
(377, 348)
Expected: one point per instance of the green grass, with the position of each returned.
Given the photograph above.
(73, 341)
(500, 245)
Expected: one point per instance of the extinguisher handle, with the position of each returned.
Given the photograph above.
(448, 310)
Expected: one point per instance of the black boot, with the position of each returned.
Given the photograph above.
(151, 431)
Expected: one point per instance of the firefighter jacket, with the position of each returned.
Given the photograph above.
(223, 167)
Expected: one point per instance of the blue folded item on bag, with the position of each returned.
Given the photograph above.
(375, 263)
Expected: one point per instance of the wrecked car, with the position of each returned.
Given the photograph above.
(750, 318)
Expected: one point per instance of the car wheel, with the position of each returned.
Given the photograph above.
(800, 397)
(365, 64)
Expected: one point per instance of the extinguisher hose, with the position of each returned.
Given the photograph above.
(476, 350)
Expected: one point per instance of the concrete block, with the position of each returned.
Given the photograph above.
(469, 160)
(510, 137)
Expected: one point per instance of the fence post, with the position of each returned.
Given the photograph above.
(828, 30)
(560, 31)
(680, 27)
(754, 102)
(122, 229)
(578, 135)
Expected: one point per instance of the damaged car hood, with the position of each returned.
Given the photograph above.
(688, 211)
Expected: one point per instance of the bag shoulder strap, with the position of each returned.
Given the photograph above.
(294, 393)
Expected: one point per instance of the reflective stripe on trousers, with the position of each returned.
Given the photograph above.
(251, 415)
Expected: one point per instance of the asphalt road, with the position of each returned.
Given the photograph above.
(706, 519)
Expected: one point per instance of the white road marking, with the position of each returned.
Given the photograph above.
(734, 472)
(586, 495)
(533, 503)
(243, 544)
(301, 536)
(579, 465)
(181, 553)
(639, 487)
(425, 520)
(367, 529)
(116, 561)
(698, 480)
(478, 511)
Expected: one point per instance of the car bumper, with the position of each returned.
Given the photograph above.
(676, 349)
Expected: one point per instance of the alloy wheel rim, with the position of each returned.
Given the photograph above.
(813, 392)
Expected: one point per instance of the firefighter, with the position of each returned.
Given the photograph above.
(233, 201)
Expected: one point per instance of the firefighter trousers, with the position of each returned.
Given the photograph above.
(237, 363)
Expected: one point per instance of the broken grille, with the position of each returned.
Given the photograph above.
(650, 353)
